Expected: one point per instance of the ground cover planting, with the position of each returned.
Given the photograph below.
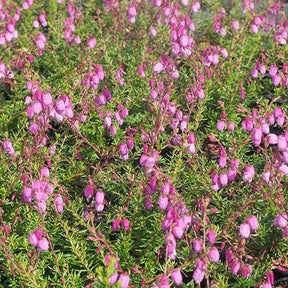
(143, 143)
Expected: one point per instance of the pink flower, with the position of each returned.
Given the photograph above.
(178, 231)
(214, 255)
(99, 207)
(235, 266)
(91, 43)
(220, 125)
(115, 224)
(33, 239)
(124, 279)
(125, 224)
(198, 275)
(282, 143)
(249, 173)
(44, 172)
(163, 282)
(276, 79)
(163, 202)
(245, 231)
(58, 203)
(176, 276)
(273, 70)
(223, 179)
(230, 126)
(211, 236)
(36, 107)
(99, 198)
(235, 25)
(246, 270)
(272, 139)
(280, 221)
(158, 68)
(43, 244)
(197, 245)
(8, 147)
(88, 192)
(27, 194)
(253, 223)
(283, 169)
(257, 136)
(113, 278)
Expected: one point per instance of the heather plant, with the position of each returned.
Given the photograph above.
(143, 143)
